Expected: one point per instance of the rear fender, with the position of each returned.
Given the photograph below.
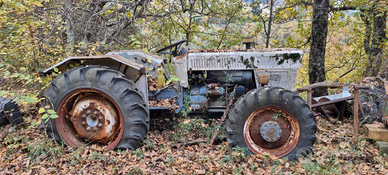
(133, 71)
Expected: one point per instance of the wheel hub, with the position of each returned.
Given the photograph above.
(92, 120)
(270, 131)
(95, 118)
(266, 131)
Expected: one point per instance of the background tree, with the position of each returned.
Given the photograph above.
(100, 22)
(269, 23)
(320, 11)
(319, 25)
(35, 35)
(203, 23)
(378, 37)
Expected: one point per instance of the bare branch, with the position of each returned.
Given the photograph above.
(302, 3)
(354, 66)
(308, 41)
(344, 8)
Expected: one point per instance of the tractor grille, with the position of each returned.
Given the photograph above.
(205, 61)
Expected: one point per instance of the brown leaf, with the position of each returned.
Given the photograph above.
(200, 172)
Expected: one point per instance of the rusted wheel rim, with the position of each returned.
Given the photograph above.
(281, 126)
(89, 116)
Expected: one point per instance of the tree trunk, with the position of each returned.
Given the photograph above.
(368, 32)
(70, 38)
(269, 25)
(379, 36)
(318, 45)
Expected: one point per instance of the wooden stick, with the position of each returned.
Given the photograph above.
(223, 117)
(356, 105)
(309, 98)
(319, 85)
(355, 122)
(189, 143)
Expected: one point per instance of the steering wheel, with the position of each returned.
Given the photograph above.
(174, 52)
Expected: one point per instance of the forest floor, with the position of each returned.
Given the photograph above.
(29, 151)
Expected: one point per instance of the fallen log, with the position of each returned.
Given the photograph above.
(319, 85)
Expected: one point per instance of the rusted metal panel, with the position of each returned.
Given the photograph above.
(151, 61)
(142, 86)
(130, 69)
(326, 104)
(71, 60)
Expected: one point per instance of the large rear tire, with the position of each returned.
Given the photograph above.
(272, 120)
(97, 105)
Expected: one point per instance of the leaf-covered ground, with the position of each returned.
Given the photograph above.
(184, 150)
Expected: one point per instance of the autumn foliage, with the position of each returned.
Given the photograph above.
(36, 34)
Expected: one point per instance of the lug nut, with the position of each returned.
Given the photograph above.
(83, 123)
(100, 117)
(88, 112)
(88, 128)
(95, 113)
(100, 124)
(83, 116)
(94, 128)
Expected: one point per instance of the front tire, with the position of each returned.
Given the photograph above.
(97, 105)
(272, 120)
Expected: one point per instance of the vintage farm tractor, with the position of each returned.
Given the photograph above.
(106, 99)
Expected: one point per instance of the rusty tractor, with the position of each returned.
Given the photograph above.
(107, 99)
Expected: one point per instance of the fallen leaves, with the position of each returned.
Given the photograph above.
(30, 152)
(168, 103)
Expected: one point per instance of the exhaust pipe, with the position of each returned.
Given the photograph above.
(248, 40)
